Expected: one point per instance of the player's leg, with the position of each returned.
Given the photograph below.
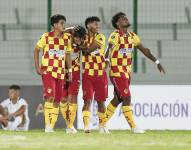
(14, 125)
(3, 117)
(122, 87)
(101, 93)
(87, 88)
(49, 96)
(73, 93)
(64, 104)
(59, 84)
(113, 105)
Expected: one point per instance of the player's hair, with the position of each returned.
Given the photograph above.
(56, 18)
(115, 18)
(91, 19)
(14, 87)
(80, 32)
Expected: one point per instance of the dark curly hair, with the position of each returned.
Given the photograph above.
(91, 19)
(115, 18)
(14, 87)
(56, 18)
(80, 32)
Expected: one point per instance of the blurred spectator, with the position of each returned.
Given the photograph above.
(14, 111)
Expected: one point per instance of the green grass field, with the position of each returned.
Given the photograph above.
(117, 140)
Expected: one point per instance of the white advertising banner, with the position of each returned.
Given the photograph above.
(156, 107)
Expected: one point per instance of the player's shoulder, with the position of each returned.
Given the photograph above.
(22, 101)
(100, 36)
(5, 102)
(45, 34)
(67, 35)
(114, 34)
(132, 33)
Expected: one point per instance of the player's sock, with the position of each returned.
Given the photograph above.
(54, 116)
(110, 111)
(86, 118)
(72, 114)
(64, 111)
(127, 111)
(48, 106)
(102, 119)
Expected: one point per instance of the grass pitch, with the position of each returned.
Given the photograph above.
(117, 140)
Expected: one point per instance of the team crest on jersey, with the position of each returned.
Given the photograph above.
(49, 90)
(126, 91)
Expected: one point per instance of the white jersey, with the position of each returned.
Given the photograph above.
(12, 108)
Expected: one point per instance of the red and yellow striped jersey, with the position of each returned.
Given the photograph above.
(94, 64)
(54, 52)
(122, 53)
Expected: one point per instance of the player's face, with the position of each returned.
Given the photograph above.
(60, 26)
(13, 94)
(77, 40)
(94, 26)
(123, 22)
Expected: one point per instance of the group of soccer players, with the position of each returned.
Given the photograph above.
(63, 51)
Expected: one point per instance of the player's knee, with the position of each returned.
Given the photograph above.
(64, 100)
(86, 105)
(101, 107)
(55, 104)
(115, 101)
(50, 99)
(127, 101)
(73, 99)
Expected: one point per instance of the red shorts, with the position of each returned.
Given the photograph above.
(121, 86)
(52, 87)
(72, 88)
(96, 86)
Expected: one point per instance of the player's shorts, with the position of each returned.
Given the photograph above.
(72, 88)
(52, 87)
(96, 86)
(121, 86)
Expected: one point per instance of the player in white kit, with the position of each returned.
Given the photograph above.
(14, 111)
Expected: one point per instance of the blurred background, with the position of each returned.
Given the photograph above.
(164, 26)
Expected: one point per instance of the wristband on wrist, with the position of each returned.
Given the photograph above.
(157, 62)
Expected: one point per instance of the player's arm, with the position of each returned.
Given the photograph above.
(149, 55)
(36, 60)
(107, 54)
(69, 60)
(40, 45)
(19, 112)
(86, 50)
(71, 29)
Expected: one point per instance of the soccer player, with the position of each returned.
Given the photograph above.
(94, 78)
(56, 47)
(120, 54)
(68, 106)
(14, 111)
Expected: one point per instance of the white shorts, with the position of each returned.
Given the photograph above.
(13, 125)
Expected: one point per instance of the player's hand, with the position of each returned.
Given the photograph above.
(161, 69)
(69, 76)
(11, 117)
(39, 71)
